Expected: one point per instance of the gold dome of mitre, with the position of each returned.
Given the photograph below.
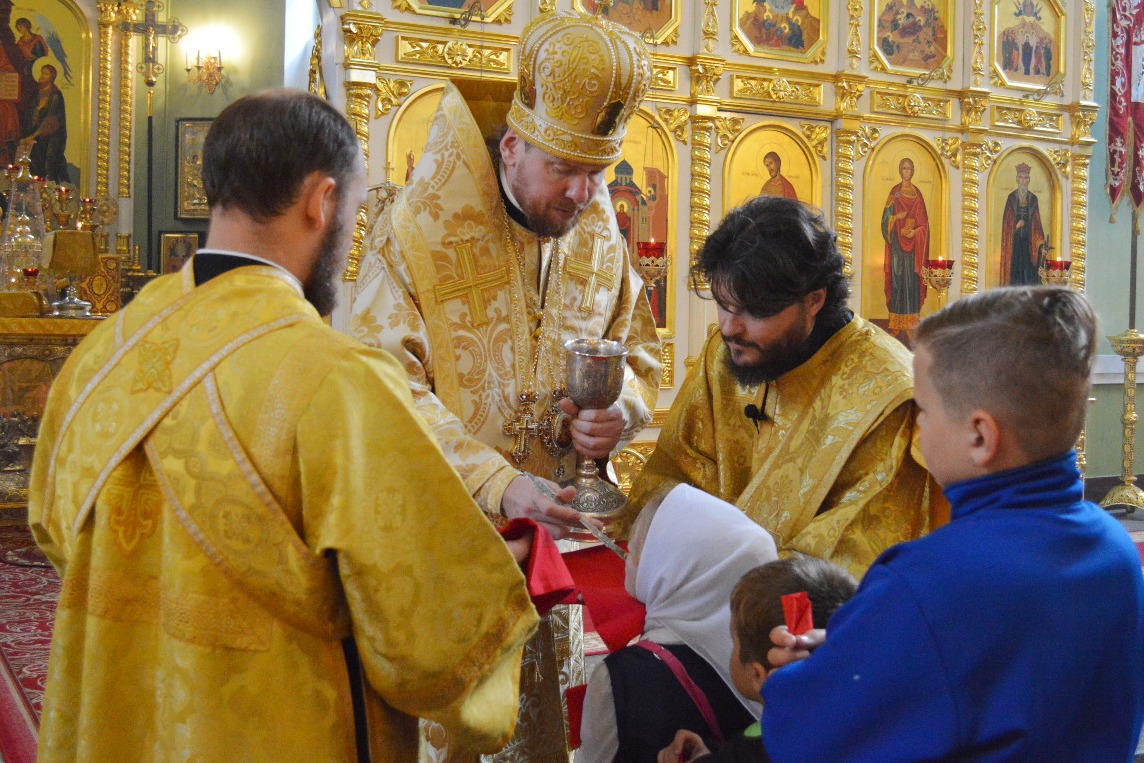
(581, 79)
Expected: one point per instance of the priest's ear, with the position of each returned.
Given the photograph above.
(319, 199)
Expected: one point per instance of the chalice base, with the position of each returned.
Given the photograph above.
(596, 498)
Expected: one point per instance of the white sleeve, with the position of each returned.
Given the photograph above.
(599, 738)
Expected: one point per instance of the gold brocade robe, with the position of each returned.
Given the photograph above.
(477, 308)
(229, 488)
(834, 472)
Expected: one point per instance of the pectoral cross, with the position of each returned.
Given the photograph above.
(593, 273)
(523, 427)
(470, 284)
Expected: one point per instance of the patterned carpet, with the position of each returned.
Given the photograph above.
(29, 590)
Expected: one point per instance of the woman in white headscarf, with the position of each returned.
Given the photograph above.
(686, 555)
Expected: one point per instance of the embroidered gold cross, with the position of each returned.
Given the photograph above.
(592, 273)
(470, 284)
(154, 369)
(523, 427)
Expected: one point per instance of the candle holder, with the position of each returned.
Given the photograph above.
(1130, 346)
(1054, 272)
(653, 261)
(938, 275)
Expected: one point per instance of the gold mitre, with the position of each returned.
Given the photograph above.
(581, 79)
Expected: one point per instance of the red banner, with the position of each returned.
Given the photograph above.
(1126, 102)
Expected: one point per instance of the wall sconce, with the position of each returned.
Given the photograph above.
(206, 70)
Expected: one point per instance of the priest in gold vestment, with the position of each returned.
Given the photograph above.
(264, 554)
(476, 275)
(798, 412)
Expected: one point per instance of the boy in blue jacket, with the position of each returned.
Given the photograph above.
(1015, 632)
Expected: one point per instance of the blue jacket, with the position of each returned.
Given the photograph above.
(1014, 633)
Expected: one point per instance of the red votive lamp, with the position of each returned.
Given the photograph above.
(1057, 264)
(651, 250)
(940, 264)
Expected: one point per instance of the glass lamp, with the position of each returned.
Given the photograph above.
(72, 253)
(20, 246)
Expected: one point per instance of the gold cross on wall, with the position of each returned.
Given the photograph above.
(470, 284)
(523, 427)
(593, 274)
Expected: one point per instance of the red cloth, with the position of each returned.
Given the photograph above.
(548, 578)
(1125, 113)
(599, 574)
(797, 612)
(575, 699)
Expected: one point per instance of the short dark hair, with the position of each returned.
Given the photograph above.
(23, 21)
(756, 601)
(770, 253)
(262, 147)
(1006, 351)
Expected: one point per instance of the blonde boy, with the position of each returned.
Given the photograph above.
(1014, 632)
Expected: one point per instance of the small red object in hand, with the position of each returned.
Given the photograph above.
(796, 610)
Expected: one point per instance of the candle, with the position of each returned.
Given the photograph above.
(1058, 264)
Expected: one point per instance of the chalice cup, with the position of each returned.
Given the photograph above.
(595, 380)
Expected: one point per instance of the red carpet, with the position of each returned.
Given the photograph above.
(28, 595)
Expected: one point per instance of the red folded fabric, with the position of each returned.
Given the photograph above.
(599, 574)
(549, 581)
(796, 610)
(575, 699)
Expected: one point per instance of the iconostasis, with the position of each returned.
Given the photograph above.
(930, 132)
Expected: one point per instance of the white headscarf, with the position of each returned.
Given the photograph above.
(696, 549)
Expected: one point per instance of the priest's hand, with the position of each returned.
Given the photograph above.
(686, 746)
(789, 648)
(595, 431)
(523, 498)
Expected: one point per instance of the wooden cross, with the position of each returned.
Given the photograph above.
(470, 284)
(151, 30)
(523, 427)
(593, 274)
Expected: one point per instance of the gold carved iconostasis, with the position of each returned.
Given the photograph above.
(925, 129)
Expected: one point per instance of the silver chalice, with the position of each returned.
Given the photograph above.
(595, 379)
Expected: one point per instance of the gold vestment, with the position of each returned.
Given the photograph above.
(833, 472)
(478, 308)
(229, 488)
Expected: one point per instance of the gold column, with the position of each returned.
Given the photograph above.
(847, 142)
(1130, 346)
(126, 114)
(970, 215)
(1078, 220)
(361, 31)
(1088, 49)
(108, 17)
(702, 131)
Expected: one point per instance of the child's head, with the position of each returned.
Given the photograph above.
(984, 369)
(757, 608)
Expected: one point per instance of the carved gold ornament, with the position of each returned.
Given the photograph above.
(818, 136)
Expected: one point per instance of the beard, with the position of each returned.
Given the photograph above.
(538, 218)
(321, 288)
(786, 355)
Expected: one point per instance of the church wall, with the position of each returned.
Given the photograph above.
(256, 63)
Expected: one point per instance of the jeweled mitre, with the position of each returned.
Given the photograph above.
(581, 79)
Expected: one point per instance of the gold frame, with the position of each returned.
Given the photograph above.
(875, 191)
(499, 13)
(1003, 168)
(190, 201)
(816, 53)
(999, 75)
(168, 241)
(667, 34)
(751, 135)
(878, 60)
